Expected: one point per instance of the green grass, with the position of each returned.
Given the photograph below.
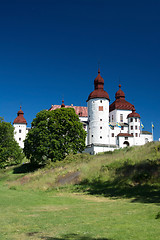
(53, 215)
(111, 196)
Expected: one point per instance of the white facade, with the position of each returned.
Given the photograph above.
(98, 116)
(115, 126)
(20, 128)
(20, 132)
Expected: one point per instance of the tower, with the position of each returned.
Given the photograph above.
(20, 128)
(134, 126)
(98, 114)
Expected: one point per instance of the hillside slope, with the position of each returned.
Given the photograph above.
(131, 172)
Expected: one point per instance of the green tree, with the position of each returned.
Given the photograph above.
(54, 134)
(10, 152)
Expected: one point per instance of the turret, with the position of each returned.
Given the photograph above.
(98, 113)
(20, 128)
(134, 126)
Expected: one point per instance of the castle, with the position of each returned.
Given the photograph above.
(108, 126)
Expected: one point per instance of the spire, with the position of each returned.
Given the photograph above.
(20, 118)
(62, 105)
(98, 82)
(98, 88)
(119, 94)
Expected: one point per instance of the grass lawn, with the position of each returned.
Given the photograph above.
(112, 196)
(60, 215)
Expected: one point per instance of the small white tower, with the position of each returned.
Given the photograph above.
(134, 126)
(98, 114)
(20, 128)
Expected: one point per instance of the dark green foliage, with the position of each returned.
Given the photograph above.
(54, 135)
(10, 152)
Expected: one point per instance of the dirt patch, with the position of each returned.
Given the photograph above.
(71, 177)
(49, 208)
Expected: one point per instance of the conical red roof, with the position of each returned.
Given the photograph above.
(133, 114)
(120, 102)
(98, 88)
(119, 94)
(62, 105)
(20, 118)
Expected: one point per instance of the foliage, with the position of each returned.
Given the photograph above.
(54, 135)
(10, 152)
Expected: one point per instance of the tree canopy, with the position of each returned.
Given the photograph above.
(10, 152)
(54, 134)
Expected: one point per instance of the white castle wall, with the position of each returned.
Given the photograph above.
(98, 118)
(122, 140)
(115, 115)
(134, 128)
(20, 132)
(146, 138)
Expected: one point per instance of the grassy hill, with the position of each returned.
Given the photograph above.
(110, 196)
(128, 172)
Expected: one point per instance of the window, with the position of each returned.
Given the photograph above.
(100, 119)
(122, 128)
(109, 119)
(100, 108)
(135, 119)
(92, 135)
(20, 131)
(100, 101)
(100, 136)
(136, 134)
(112, 134)
(131, 127)
(136, 127)
(100, 127)
(19, 139)
(112, 118)
(131, 120)
(121, 117)
(126, 138)
(84, 126)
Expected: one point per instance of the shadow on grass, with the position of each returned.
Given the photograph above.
(26, 168)
(139, 193)
(74, 237)
(139, 181)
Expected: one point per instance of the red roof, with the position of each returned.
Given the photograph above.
(20, 118)
(124, 135)
(62, 105)
(119, 93)
(120, 102)
(98, 88)
(80, 111)
(133, 114)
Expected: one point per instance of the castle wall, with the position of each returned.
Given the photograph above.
(20, 132)
(98, 118)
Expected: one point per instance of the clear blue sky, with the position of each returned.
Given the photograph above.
(50, 50)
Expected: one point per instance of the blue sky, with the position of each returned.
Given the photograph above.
(50, 50)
